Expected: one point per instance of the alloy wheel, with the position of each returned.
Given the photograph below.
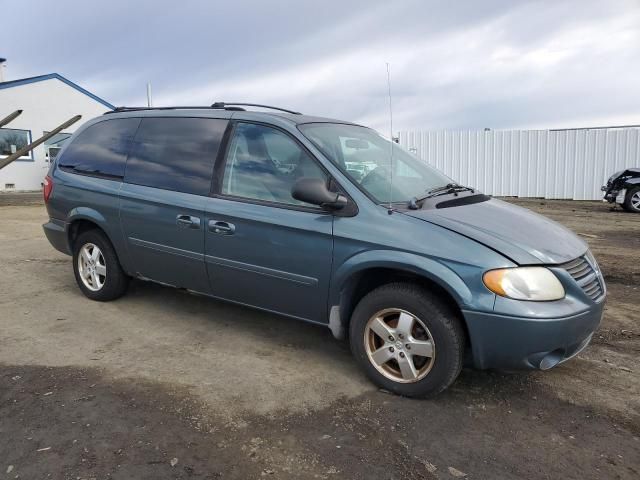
(635, 201)
(399, 345)
(92, 267)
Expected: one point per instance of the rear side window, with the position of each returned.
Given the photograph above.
(175, 153)
(101, 149)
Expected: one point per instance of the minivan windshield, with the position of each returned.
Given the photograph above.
(365, 156)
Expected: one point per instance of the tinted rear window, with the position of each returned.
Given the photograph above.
(101, 149)
(175, 153)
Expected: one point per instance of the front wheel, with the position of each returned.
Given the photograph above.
(632, 200)
(406, 340)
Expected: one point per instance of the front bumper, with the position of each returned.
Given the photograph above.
(502, 341)
(56, 233)
(614, 196)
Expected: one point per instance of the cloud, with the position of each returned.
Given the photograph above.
(497, 64)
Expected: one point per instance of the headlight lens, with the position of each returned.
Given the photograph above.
(524, 283)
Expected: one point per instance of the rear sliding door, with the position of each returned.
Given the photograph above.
(166, 185)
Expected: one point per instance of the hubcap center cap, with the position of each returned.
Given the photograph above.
(399, 345)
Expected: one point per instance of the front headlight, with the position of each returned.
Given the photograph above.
(524, 283)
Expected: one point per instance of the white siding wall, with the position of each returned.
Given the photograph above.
(45, 104)
(529, 163)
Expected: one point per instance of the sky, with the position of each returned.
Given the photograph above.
(454, 64)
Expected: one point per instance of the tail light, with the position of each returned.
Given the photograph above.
(48, 188)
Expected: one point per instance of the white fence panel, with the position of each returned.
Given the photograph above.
(569, 164)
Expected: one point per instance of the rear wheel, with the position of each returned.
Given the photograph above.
(96, 267)
(407, 341)
(632, 200)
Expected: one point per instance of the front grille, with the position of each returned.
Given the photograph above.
(587, 276)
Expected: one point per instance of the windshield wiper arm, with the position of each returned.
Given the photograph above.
(435, 192)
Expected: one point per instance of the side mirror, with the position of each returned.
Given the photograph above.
(315, 192)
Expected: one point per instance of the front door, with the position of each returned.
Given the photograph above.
(162, 200)
(262, 247)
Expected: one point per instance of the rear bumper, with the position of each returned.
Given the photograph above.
(500, 341)
(56, 233)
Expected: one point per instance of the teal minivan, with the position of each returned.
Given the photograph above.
(327, 222)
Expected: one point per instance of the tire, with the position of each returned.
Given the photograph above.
(113, 284)
(631, 201)
(443, 329)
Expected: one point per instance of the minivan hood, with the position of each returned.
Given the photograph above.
(518, 233)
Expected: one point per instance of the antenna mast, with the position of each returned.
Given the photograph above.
(391, 139)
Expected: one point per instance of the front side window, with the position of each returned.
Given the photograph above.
(365, 156)
(101, 149)
(263, 163)
(175, 153)
(12, 140)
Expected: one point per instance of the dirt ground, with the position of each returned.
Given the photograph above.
(164, 384)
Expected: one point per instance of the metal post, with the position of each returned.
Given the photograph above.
(6, 161)
(149, 101)
(10, 118)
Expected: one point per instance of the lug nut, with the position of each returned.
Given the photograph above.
(402, 354)
(408, 347)
(401, 335)
(391, 339)
(391, 349)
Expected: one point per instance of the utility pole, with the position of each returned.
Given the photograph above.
(149, 101)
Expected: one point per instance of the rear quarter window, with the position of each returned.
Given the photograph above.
(101, 149)
(175, 153)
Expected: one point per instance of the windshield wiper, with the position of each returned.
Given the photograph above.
(435, 192)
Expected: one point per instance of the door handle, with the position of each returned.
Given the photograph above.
(222, 228)
(187, 221)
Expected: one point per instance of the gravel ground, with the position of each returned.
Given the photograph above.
(163, 384)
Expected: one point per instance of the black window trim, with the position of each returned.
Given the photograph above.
(221, 161)
(90, 173)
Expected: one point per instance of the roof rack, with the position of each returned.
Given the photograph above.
(234, 104)
(237, 107)
(180, 107)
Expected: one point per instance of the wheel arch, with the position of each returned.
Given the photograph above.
(367, 271)
(82, 219)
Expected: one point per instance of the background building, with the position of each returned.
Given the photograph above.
(46, 102)
(570, 163)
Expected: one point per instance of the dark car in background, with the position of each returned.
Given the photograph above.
(623, 188)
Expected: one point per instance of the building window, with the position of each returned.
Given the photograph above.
(53, 146)
(12, 140)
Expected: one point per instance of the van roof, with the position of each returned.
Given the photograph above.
(229, 111)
